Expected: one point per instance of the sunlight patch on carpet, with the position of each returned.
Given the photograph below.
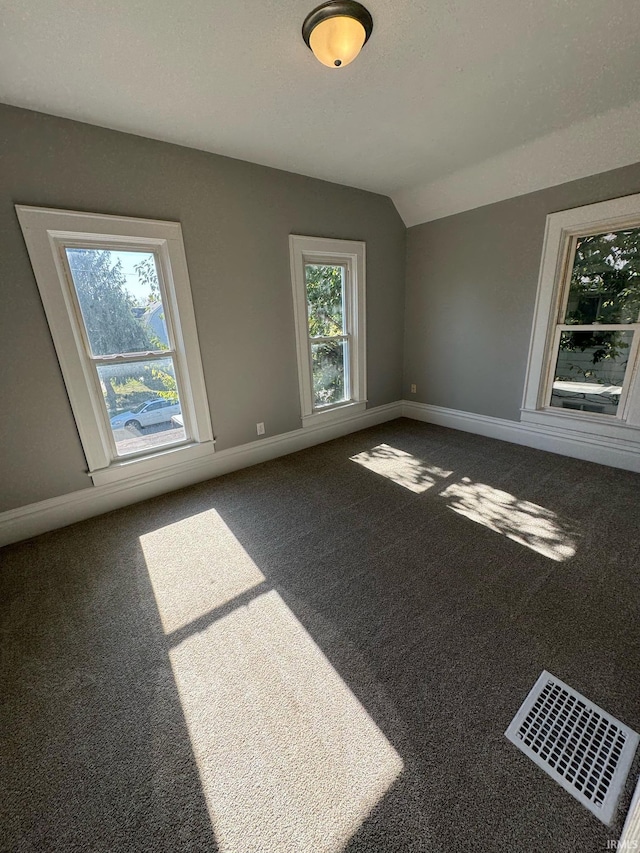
(526, 523)
(288, 757)
(196, 565)
(402, 468)
(522, 521)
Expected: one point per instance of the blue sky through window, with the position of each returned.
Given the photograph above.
(139, 291)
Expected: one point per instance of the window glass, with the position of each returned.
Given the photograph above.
(121, 305)
(328, 361)
(590, 370)
(120, 301)
(137, 394)
(605, 279)
(325, 299)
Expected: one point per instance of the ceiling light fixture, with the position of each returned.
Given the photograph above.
(336, 31)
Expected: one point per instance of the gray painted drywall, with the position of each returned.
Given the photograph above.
(470, 295)
(236, 219)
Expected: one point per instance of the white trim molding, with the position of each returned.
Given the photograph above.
(48, 233)
(557, 254)
(559, 248)
(604, 450)
(351, 255)
(33, 519)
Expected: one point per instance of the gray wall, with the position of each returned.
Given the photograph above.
(236, 219)
(471, 289)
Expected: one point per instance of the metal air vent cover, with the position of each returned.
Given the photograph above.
(583, 748)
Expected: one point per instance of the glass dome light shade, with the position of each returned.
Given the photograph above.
(337, 41)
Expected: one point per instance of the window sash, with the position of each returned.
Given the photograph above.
(347, 319)
(599, 327)
(123, 358)
(571, 237)
(348, 360)
(348, 363)
(72, 293)
(93, 361)
(346, 290)
(553, 347)
(629, 374)
(329, 338)
(115, 456)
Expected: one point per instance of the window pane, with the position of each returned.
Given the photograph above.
(328, 361)
(590, 371)
(605, 280)
(325, 299)
(119, 297)
(134, 394)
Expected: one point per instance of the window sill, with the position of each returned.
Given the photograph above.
(158, 464)
(335, 414)
(583, 425)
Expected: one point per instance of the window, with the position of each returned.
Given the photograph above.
(328, 278)
(586, 338)
(117, 298)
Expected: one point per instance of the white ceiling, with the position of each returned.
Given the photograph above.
(443, 94)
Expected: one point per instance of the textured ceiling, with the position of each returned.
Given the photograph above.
(441, 87)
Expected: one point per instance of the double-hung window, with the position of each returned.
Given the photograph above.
(118, 303)
(583, 365)
(328, 279)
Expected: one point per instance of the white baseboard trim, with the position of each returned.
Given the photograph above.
(33, 519)
(603, 450)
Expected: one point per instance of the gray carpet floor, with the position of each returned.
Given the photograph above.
(320, 653)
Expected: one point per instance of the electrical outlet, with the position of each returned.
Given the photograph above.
(414, 388)
(260, 428)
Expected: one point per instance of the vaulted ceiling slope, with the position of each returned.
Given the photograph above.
(452, 103)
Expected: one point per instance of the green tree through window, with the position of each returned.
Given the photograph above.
(106, 304)
(604, 289)
(325, 307)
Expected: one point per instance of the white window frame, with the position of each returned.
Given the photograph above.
(558, 252)
(351, 255)
(47, 233)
